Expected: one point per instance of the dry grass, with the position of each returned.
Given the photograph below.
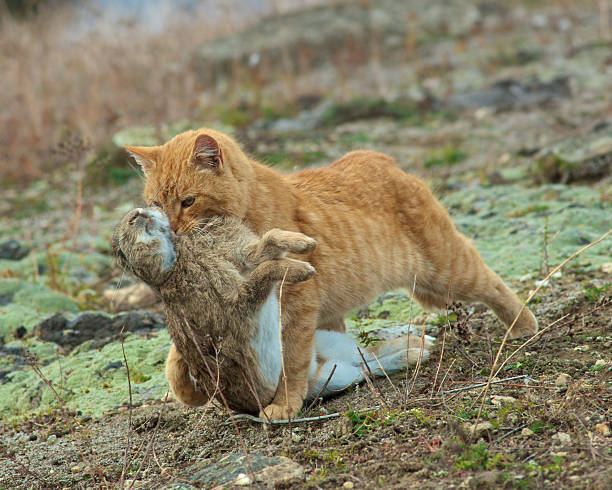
(59, 79)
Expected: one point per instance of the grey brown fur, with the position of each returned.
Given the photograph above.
(213, 281)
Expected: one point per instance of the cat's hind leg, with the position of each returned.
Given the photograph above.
(465, 277)
(443, 266)
(182, 385)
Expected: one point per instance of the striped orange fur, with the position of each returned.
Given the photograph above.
(378, 228)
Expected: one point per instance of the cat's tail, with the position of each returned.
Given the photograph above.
(336, 352)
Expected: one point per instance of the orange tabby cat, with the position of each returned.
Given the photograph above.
(377, 227)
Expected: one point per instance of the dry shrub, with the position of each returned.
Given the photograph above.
(72, 68)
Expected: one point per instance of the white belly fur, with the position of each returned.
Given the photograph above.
(266, 341)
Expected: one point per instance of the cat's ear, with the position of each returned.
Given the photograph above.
(206, 153)
(145, 156)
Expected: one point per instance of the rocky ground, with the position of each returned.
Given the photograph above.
(507, 115)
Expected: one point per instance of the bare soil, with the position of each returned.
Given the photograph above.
(404, 432)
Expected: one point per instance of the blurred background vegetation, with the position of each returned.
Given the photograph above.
(85, 70)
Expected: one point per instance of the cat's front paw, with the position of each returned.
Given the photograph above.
(278, 412)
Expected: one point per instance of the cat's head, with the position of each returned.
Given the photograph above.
(142, 243)
(195, 175)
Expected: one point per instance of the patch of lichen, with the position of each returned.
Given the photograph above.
(91, 381)
(511, 226)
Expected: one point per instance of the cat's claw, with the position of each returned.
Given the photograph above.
(277, 412)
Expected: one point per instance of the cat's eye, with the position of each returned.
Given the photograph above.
(156, 204)
(188, 201)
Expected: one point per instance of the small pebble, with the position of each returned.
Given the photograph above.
(603, 428)
(527, 432)
(501, 399)
(75, 469)
(242, 480)
(562, 437)
(51, 438)
(348, 484)
(582, 348)
(563, 380)
(505, 158)
(480, 428)
(601, 363)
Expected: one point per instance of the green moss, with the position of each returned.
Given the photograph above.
(85, 382)
(279, 159)
(477, 457)
(10, 285)
(513, 246)
(532, 208)
(64, 265)
(13, 316)
(395, 308)
(447, 156)
(592, 293)
(359, 137)
(32, 201)
(368, 421)
(236, 117)
(43, 300)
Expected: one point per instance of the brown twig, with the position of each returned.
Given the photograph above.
(246, 416)
(151, 441)
(130, 428)
(445, 375)
(25, 470)
(508, 434)
(480, 385)
(33, 362)
(280, 339)
(419, 360)
(384, 372)
(314, 400)
(408, 343)
(443, 344)
(365, 363)
(371, 385)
